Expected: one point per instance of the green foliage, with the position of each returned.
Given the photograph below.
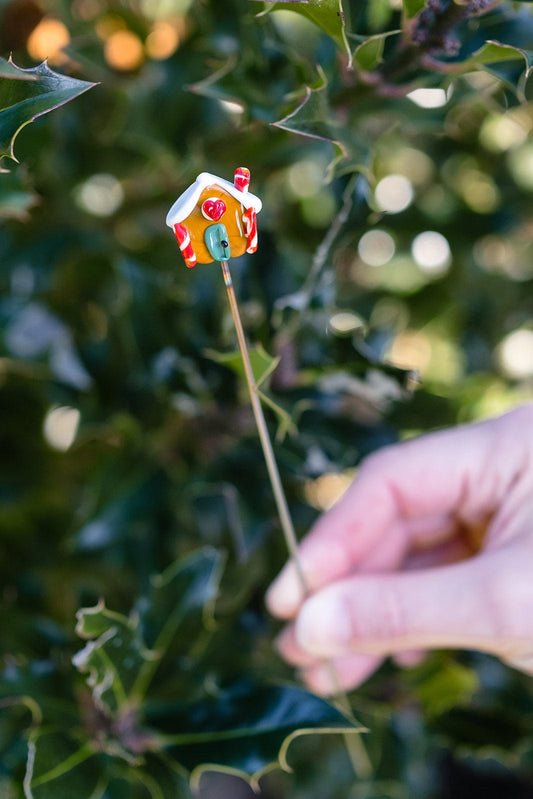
(413, 7)
(26, 94)
(327, 14)
(123, 727)
(262, 363)
(129, 446)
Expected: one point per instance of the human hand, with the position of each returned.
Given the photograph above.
(430, 547)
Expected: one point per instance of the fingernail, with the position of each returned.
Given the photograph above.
(323, 626)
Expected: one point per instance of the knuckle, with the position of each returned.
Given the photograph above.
(383, 624)
(394, 624)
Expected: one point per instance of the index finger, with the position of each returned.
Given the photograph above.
(462, 472)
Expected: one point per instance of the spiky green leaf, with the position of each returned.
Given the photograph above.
(263, 364)
(60, 767)
(329, 15)
(314, 118)
(412, 7)
(113, 657)
(247, 728)
(26, 94)
(368, 54)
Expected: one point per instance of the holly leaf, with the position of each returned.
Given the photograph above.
(9, 70)
(123, 653)
(234, 82)
(262, 363)
(247, 728)
(327, 14)
(38, 690)
(412, 7)
(113, 658)
(284, 418)
(491, 52)
(134, 499)
(160, 776)
(26, 94)
(314, 118)
(369, 53)
(17, 714)
(495, 57)
(188, 588)
(258, 87)
(60, 767)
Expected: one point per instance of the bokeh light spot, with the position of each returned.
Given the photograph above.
(100, 195)
(232, 107)
(124, 51)
(515, 354)
(520, 161)
(414, 164)
(376, 247)
(429, 98)
(108, 24)
(431, 252)
(47, 41)
(494, 253)
(394, 193)
(162, 41)
(154, 9)
(431, 353)
(305, 178)
(479, 191)
(410, 350)
(345, 322)
(318, 211)
(326, 490)
(501, 132)
(61, 426)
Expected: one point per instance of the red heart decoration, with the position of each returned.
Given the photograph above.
(213, 208)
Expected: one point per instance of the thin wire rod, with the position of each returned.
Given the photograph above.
(272, 467)
(356, 749)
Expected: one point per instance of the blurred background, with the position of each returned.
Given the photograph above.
(393, 280)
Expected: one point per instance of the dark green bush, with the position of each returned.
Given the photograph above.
(129, 450)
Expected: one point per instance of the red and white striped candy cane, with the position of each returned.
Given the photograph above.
(241, 178)
(250, 228)
(184, 240)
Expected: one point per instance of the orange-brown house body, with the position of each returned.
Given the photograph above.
(228, 208)
(197, 224)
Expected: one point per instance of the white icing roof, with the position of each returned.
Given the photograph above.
(186, 201)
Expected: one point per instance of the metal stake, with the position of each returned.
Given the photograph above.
(355, 747)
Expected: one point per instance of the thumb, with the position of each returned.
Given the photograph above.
(448, 606)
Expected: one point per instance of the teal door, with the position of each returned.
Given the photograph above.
(217, 242)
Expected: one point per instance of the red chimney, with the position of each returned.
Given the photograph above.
(241, 178)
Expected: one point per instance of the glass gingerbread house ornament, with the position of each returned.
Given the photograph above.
(215, 220)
